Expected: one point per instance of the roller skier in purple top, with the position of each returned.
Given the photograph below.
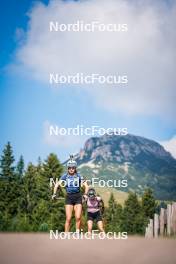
(95, 208)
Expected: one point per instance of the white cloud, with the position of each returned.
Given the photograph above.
(146, 53)
(170, 145)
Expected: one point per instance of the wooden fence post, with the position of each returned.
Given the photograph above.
(173, 219)
(146, 231)
(156, 225)
(163, 224)
(161, 219)
(169, 211)
(151, 228)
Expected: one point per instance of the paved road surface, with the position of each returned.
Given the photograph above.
(38, 248)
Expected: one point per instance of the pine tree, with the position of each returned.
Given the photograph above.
(25, 203)
(113, 215)
(57, 215)
(52, 167)
(21, 220)
(6, 163)
(31, 193)
(133, 221)
(42, 213)
(20, 167)
(9, 188)
(31, 196)
(42, 182)
(148, 203)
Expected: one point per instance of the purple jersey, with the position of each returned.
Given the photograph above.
(92, 204)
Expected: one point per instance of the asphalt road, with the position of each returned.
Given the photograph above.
(38, 248)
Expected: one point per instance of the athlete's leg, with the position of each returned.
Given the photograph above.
(78, 212)
(100, 226)
(89, 225)
(68, 211)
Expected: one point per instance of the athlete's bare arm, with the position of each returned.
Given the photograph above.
(86, 186)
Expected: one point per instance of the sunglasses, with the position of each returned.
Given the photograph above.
(72, 168)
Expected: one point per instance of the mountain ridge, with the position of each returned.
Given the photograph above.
(143, 162)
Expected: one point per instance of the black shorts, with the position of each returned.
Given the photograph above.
(73, 198)
(94, 216)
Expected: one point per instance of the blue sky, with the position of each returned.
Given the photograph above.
(27, 103)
